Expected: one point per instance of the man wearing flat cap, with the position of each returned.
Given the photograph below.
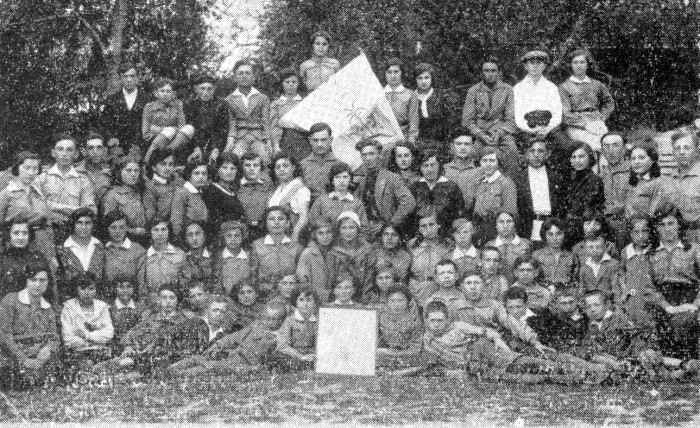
(209, 116)
(384, 193)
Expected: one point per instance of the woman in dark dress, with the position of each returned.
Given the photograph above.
(434, 121)
(221, 197)
(585, 191)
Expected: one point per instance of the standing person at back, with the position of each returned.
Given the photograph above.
(209, 116)
(285, 139)
(315, 167)
(615, 174)
(121, 117)
(403, 101)
(249, 115)
(317, 69)
(686, 151)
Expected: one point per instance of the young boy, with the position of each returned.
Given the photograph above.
(599, 271)
(95, 165)
(448, 291)
(256, 188)
(527, 273)
(463, 169)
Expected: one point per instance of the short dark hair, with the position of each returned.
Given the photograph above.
(63, 136)
(163, 82)
(19, 219)
(284, 155)
(287, 72)
(515, 293)
(394, 61)
(446, 262)
(320, 126)
(113, 216)
(191, 166)
(548, 224)
(589, 152)
(424, 67)
(491, 59)
(22, 157)
(436, 306)
(305, 292)
(246, 61)
(78, 214)
(596, 292)
(335, 169)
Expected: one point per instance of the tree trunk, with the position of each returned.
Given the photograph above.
(116, 39)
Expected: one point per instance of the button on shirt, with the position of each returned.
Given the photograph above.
(541, 95)
(539, 189)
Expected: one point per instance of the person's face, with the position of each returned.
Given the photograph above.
(320, 46)
(197, 297)
(537, 154)
(668, 228)
(613, 148)
(505, 225)
(83, 227)
(463, 235)
(251, 168)
(446, 275)
(160, 233)
(639, 234)
(429, 227)
(272, 319)
(227, 172)
(95, 150)
(640, 162)
(348, 230)
(130, 79)
(167, 301)
(118, 230)
(87, 295)
(344, 291)
(320, 142)
(216, 313)
(535, 66)
(245, 76)
(525, 273)
(390, 238)
(324, 236)
(306, 304)
(490, 260)
(472, 287)
(19, 235)
(393, 75)
(290, 85)
(37, 284)
(200, 176)
(277, 222)
(194, 236)
(341, 182)
(591, 227)
(685, 151)
(284, 169)
(385, 279)
(579, 160)
(370, 157)
(489, 72)
(430, 168)
(579, 65)
(204, 91)
(555, 237)
(424, 81)
(247, 295)
(64, 152)
(165, 94)
(403, 158)
(516, 308)
(28, 170)
(595, 307)
(565, 305)
(114, 149)
(125, 291)
(287, 286)
(397, 303)
(130, 173)
(463, 147)
(166, 167)
(489, 163)
(233, 239)
(595, 248)
(436, 322)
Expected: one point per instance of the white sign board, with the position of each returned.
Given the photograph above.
(347, 341)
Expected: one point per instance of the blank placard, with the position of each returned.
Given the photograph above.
(347, 341)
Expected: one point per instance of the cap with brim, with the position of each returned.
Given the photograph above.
(537, 53)
(364, 143)
(200, 78)
(349, 215)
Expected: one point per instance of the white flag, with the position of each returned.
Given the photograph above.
(353, 103)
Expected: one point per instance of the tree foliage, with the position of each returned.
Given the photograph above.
(645, 49)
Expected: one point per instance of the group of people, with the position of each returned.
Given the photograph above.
(200, 237)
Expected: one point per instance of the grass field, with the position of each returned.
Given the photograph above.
(307, 398)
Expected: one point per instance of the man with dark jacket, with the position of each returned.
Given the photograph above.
(209, 116)
(121, 117)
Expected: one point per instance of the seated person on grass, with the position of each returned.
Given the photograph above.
(125, 311)
(400, 330)
(296, 345)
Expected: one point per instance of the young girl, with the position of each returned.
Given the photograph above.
(291, 192)
(494, 193)
(391, 250)
(188, 204)
(314, 268)
(286, 287)
(289, 81)
(221, 198)
(510, 245)
(338, 199)
(448, 290)
(464, 254)
(232, 264)
(384, 278)
(494, 282)
(403, 101)
(528, 276)
(559, 266)
(400, 330)
(351, 254)
(594, 224)
(246, 306)
(316, 70)
(297, 336)
(585, 191)
(433, 121)
(198, 258)
(81, 253)
(122, 256)
(403, 161)
(427, 248)
(648, 189)
(637, 289)
(125, 311)
(164, 263)
(163, 181)
(276, 253)
(344, 293)
(163, 125)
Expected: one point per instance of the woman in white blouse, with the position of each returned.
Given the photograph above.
(291, 192)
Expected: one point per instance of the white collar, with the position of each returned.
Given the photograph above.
(528, 314)
(126, 244)
(226, 254)
(70, 243)
(606, 258)
(630, 252)
(14, 186)
(223, 189)
(442, 179)
(269, 241)
(168, 250)
(119, 305)
(23, 297)
(158, 179)
(299, 317)
(190, 187)
(389, 89)
(252, 92)
(424, 96)
(499, 241)
(575, 79)
(663, 247)
(347, 197)
(133, 93)
(206, 254)
(245, 181)
(493, 177)
(296, 97)
(459, 253)
(72, 172)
